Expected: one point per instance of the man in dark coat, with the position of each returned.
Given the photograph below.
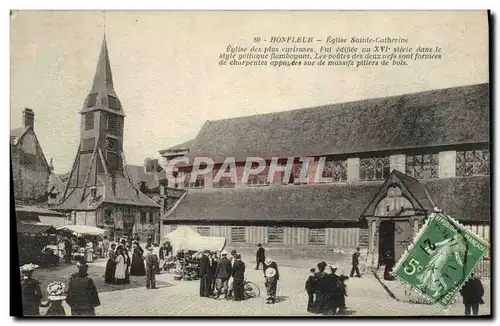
(472, 293)
(238, 274)
(82, 293)
(151, 262)
(68, 248)
(204, 270)
(222, 275)
(260, 256)
(32, 294)
(212, 271)
(355, 263)
(310, 284)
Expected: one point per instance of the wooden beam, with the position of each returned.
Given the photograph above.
(88, 172)
(72, 170)
(124, 167)
(103, 162)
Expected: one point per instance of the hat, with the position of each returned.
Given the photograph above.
(206, 251)
(150, 248)
(136, 242)
(334, 267)
(224, 253)
(28, 267)
(312, 270)
(122, 240)
(56, 291)
(233, 252)
(322, 265)
(268, 261)
(270, 272)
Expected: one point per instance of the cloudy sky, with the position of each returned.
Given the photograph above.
(166, 72)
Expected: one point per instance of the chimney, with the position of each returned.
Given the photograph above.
(29, 118)
(51, 166)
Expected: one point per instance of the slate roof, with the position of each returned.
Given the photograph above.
(37, 210)
(118, 191)
(433, 118)
(466, 199)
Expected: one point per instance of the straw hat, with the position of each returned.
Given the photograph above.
(268, 261)
(28, 267)
(270, 272)
(224, 253)
(56, 291)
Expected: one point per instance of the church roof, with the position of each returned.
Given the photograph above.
(102, 96)
(108, 190)
(465, 199)
(440, 117)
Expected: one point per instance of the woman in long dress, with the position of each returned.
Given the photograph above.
(127, 266)
(120, 266)
(89, 252)
(137, 268)
(109, 274)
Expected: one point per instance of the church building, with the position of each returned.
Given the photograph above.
(386, 164)
(99, 190)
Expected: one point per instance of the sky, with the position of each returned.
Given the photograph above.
(166, 73)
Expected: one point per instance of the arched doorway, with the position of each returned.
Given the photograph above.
(394, 216)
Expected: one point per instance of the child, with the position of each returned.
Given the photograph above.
(310, 289)
(151, 263)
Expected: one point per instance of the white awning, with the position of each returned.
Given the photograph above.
(82, 229)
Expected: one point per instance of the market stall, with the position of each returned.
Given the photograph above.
(187, 246)
(87, 241)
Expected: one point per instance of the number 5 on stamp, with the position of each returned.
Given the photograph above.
(442, 259)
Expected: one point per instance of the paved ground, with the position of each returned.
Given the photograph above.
(366, 298)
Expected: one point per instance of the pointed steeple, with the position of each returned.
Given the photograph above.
(102, 94)
(103, 79)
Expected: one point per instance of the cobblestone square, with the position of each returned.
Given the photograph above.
(366, 297)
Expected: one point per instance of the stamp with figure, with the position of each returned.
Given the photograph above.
(442, 258)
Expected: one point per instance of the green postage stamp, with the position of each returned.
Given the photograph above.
(441, 259)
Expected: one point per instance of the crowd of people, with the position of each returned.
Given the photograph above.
(221, 277)
(224, 278)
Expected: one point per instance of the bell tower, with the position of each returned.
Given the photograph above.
(100, 151)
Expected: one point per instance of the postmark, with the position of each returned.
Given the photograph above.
(443, 256)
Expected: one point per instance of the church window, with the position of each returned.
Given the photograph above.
(88, 144)
(335, 170)
(374, 168)
(317, 236)
(471, 163)
(113, 123)
(113, 102)
(238, 234)
(89, 120)
(275, 234)
(260, 179)
(92, 99)
(422, 166)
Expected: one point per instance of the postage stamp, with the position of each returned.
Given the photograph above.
(442, 258)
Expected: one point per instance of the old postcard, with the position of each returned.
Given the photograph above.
(251, 163)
